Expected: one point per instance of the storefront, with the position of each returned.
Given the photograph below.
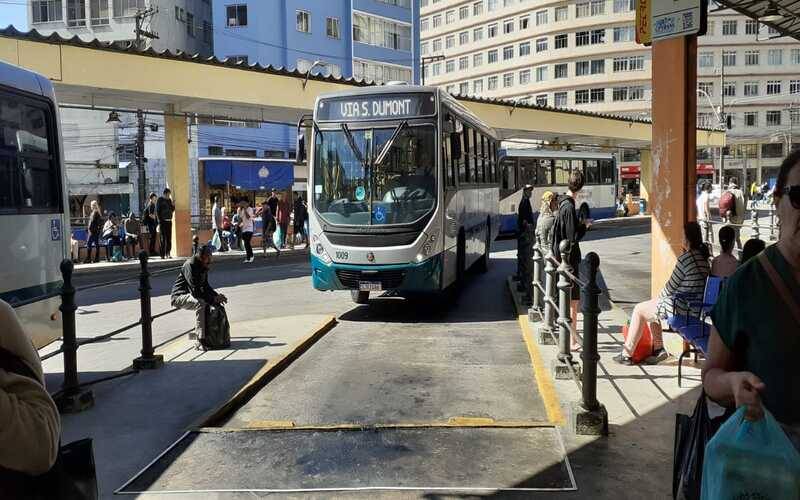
(629, 178)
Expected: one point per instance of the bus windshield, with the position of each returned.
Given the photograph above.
(351, 187)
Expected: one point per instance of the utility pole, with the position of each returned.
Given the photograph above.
(724, 124)
(140, 158)
(139, 31)
(431, 59)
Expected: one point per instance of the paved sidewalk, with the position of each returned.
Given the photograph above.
(136, 417)
(641, 401)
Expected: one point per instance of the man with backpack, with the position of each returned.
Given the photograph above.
(732, 208)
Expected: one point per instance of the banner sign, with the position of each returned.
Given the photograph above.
(663, 19)
(376, 107)
(643, 27)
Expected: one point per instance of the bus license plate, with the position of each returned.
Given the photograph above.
(369, 286)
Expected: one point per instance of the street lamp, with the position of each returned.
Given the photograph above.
(308, 73)
(720, 125)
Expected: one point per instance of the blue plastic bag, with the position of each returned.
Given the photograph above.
(751, 460)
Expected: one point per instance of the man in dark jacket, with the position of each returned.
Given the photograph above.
(524, 231)
(150, 219)
(191, 290)
(570, 228)
(165, 207)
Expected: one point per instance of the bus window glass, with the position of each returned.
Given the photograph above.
(606, 171)
(29, 175)
(508, 168)
(476, 152)
(493, 159)
(527, 171)
(544, 171)
(469, 159)
(447, 163)
(562, 172)
(592, 172)
(462, 162)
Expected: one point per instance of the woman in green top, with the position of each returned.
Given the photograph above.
(755, 343)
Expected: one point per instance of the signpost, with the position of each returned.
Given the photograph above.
(663, 19)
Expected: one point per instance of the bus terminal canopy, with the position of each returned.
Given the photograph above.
(782, 15)
(107, 76)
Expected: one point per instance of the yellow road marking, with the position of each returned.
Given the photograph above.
(270, 424)
(470, 421)
(546, 387)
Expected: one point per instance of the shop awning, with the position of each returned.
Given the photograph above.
(250, 175)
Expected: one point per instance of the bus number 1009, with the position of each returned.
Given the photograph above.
(342, 255)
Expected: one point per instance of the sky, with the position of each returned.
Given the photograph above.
(14, 12)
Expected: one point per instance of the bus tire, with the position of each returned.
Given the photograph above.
(359, 297)
(483, 264)
(461, 261)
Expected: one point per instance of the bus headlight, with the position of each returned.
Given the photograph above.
(322, 254)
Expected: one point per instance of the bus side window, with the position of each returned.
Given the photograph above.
(462, 162)
(493, 159)
(606, 171)
(447, 162)
(469, 161)
(562, 169)
(592, 172)
(476, 156)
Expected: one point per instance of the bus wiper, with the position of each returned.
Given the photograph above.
(352, 142)
(386, 147)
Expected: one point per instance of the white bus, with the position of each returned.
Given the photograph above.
(548, 170)
(33, 222)
(403, 191)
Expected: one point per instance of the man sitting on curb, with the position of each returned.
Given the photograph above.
(192, 292)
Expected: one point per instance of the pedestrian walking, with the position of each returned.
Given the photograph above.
(268, 230)
(111, 236)
(150, 217)
(283, 215)
(732, 208)
(704, 212)
(272, 201)
(165, 208)
(300, 216)
(246, 223)
(569, 227)
(217, 223)
(192, 291)
(133, 228)
(93, 230)
(236, 230)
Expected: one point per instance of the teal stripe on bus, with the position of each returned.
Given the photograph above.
(27, 295)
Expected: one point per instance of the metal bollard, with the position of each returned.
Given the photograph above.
(148, 360)
(756, 228)
(772, 224)
(71, 399)
(562, 364)
(537, 277)
(590, 417)
(547, 328)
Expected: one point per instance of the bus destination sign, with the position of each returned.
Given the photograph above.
(376, 107)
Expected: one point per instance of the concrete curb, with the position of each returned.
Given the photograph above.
(267, 373)
(633, 220)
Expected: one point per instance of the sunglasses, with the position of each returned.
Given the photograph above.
(793, 192)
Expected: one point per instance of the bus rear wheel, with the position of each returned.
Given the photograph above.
(359, 297)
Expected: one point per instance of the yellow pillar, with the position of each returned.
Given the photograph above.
(645, 176)
(673, 167)
(178, 180)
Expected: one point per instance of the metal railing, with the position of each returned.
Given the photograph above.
(72, 396)
(551, 299)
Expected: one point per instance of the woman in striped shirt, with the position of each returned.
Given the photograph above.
(689, 277)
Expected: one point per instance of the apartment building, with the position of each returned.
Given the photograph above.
(583, 55)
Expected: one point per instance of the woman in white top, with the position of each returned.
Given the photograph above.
(704, 212)
(246, 224)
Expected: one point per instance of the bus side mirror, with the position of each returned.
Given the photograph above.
(455, 146)
(301, 148)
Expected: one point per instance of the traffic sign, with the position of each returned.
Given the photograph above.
(663, 19)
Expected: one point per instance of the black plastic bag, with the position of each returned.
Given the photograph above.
(217, 333)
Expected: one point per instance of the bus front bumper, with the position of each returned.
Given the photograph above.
(425, 276)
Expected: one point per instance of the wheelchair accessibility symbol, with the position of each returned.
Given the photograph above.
(379, 213)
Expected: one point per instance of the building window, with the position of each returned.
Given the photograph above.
(624, 6)
(560, 41)
(581, 38)
(303, 21)
(477, 60)
(541, 73)
(463, 62)
(449, 66)
(632, 63)
(423, 48)
(463, 13)
(541, 44)
(729, 27)
(729, 58)
(492, 30)
(794, 116)
(750, 27)
(707, 87)
(541, 100)
(750, 118)
(332, 28)
(775, 57)
(525, 77)
(582, 9)
(437, 21)
(541, 17)
(598, 66)
(705, 120)
(794, 57)
(508, 52)
(508, 26)
(46, 11)
(598, 7)
(559, 99)
(794, 86)
(463, 38)
(710, 26)
(729, 89)
(449, 42)
(598, 95)
(492, 5)
(423, 3)
(450, 17)
(635, 93)
(463, 88)
(525, 49)
(406, 4)
(773, 118)
(706, 59)
(561, 13)
(437, 45)
(582, 96)
(581, 68)
(190, 24)
(437, 69)
(772, 150)
(508, 80)
(492, 83)
(477, 8)
(424, 24)
(381, 32)
(750, 89)
(524, 22)
(598, 36)
(560, 70)
(98, 13)
(477, 34)
(477, 86)
(619, 94)
(450, 89)
(773, 87)
(751, 57)
(76, 12)
(491, 56)
(624, 34)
